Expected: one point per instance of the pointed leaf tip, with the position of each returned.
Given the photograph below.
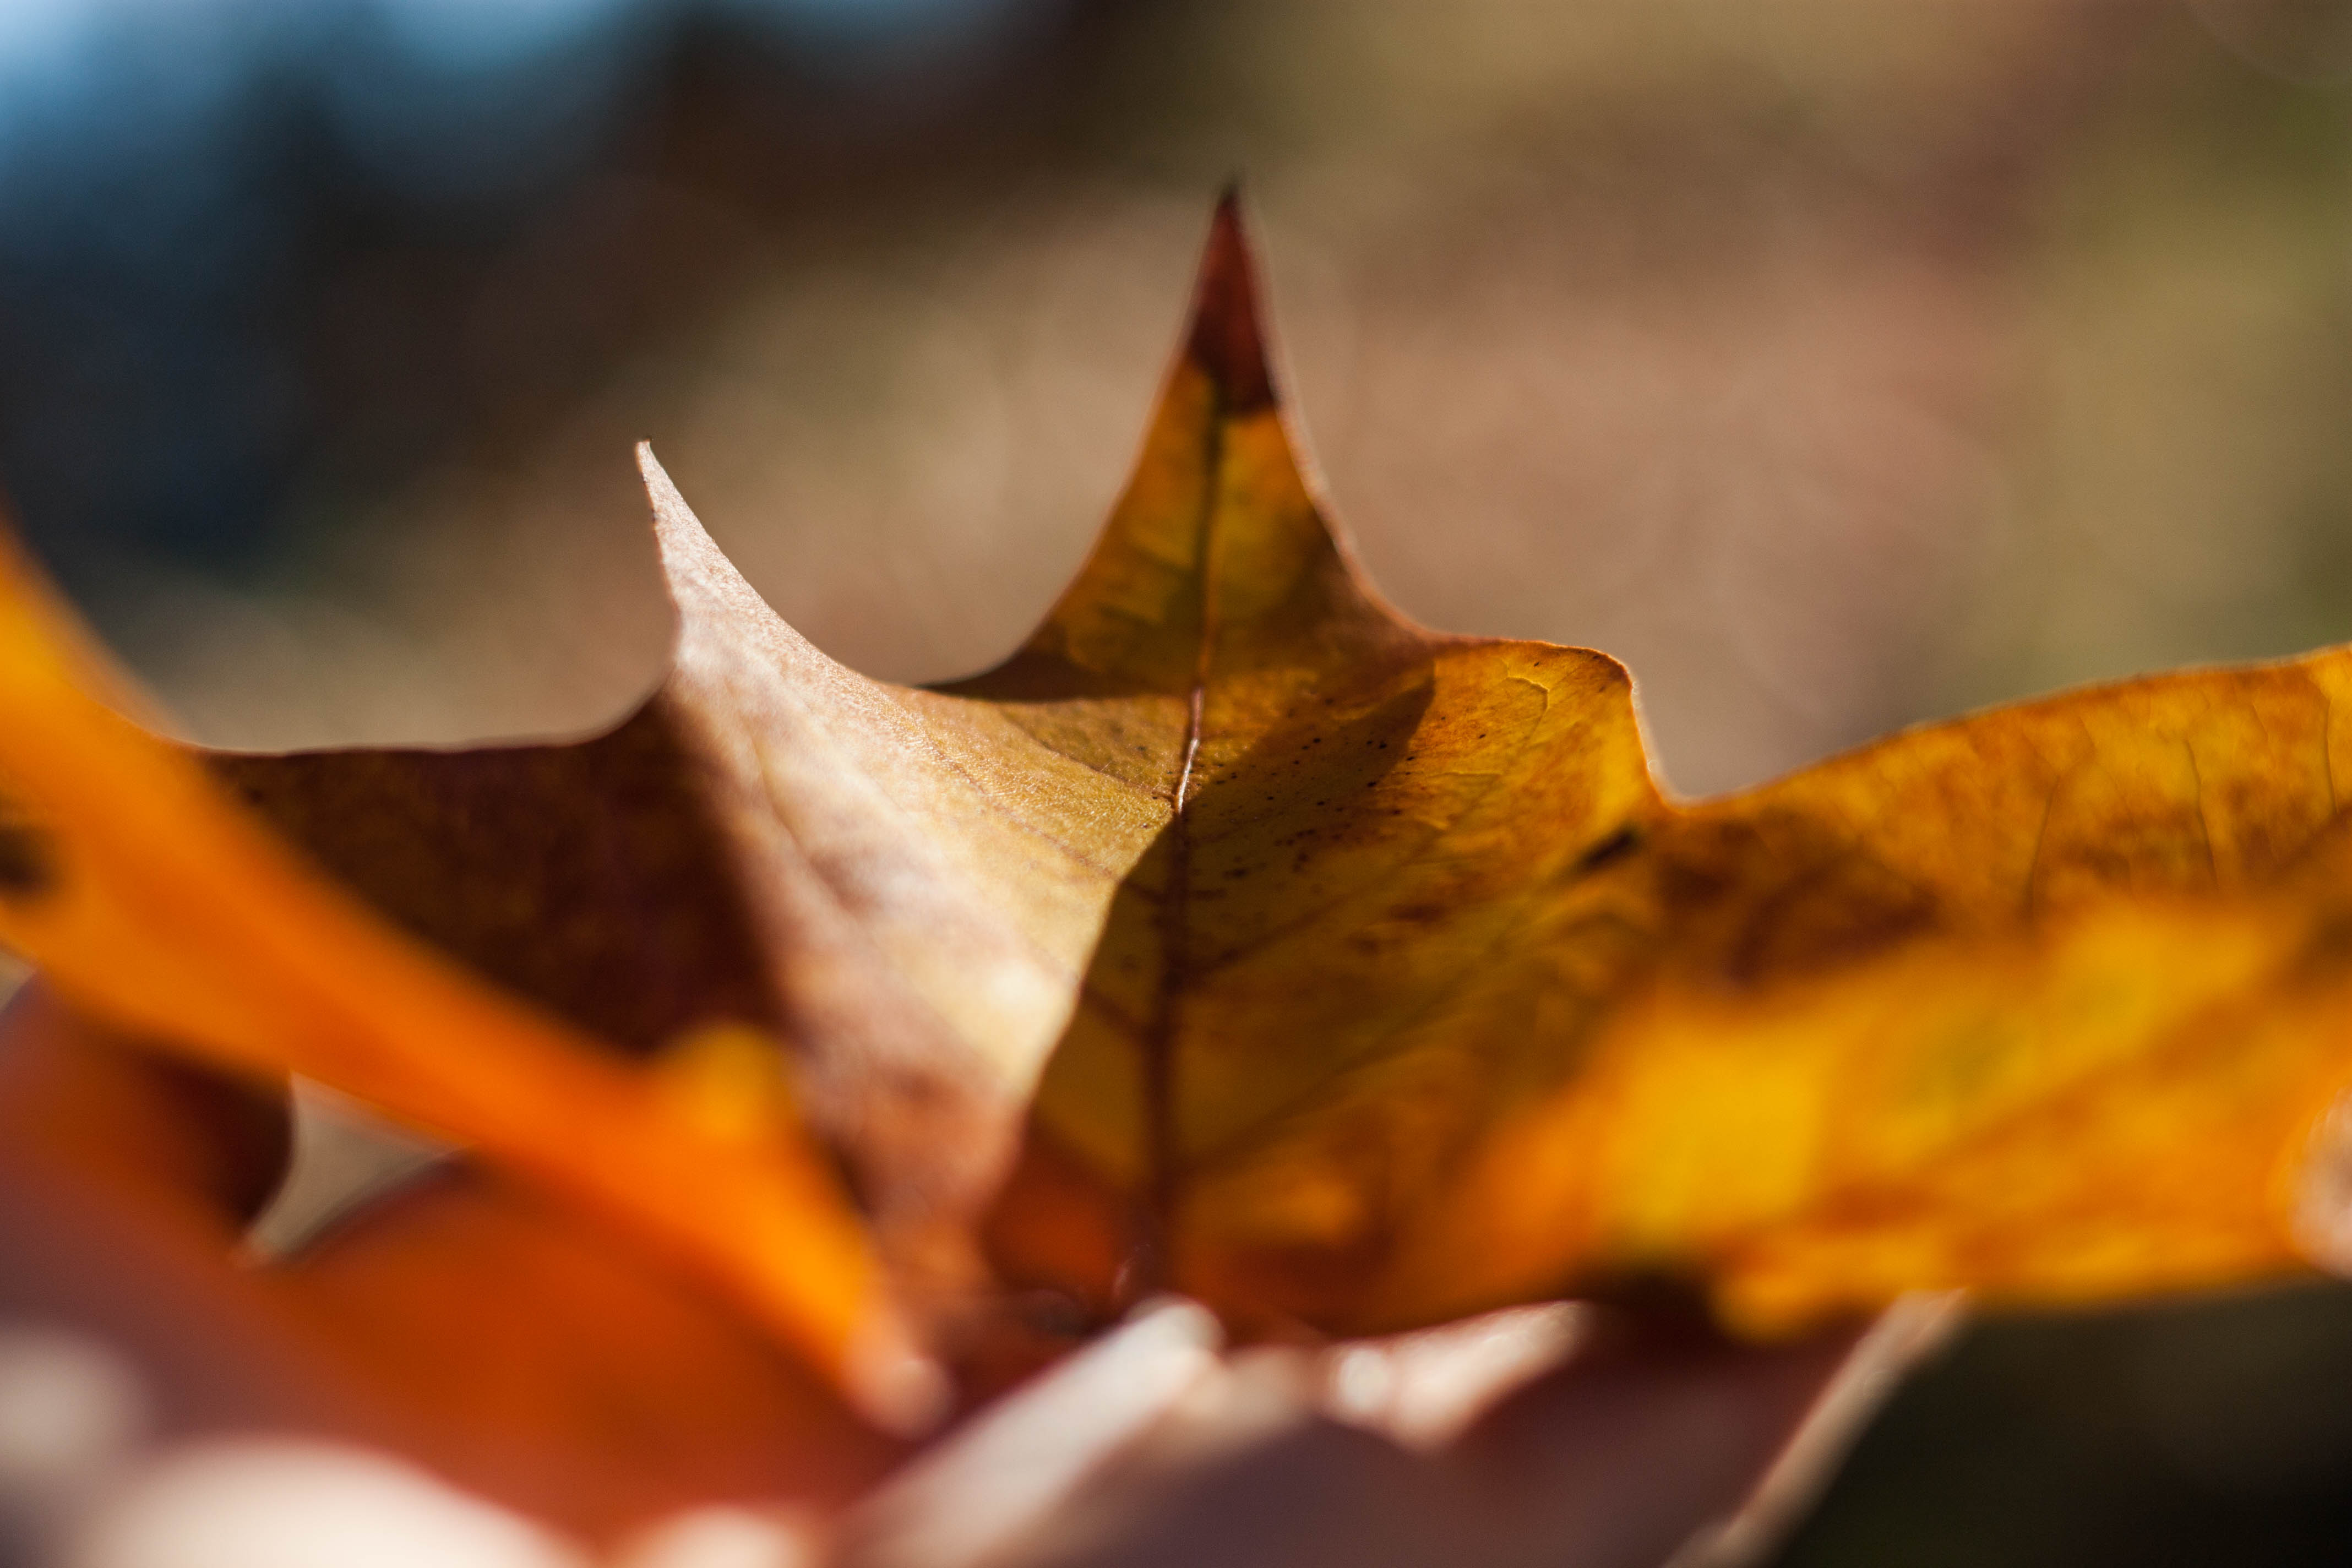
(1227, 340)
(671, 510)
(693, 567)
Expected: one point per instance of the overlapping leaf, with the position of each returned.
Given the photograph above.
(515, 1345)
(1238, 936)
(148, 899)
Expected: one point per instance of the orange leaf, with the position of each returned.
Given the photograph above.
(515, 1347)
(147, 899)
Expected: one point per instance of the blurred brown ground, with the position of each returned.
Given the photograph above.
(1834, 362)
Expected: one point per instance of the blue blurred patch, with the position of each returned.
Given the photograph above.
(170, 169)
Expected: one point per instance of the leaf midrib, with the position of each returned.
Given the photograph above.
(1154, 1263)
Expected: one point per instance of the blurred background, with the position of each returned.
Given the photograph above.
(1834, 362)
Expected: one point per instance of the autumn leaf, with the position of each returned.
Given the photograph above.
(151, 901)
(462, 1320)
(1236, 936)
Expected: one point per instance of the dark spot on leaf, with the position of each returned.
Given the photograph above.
(27, 864)
(2329, 947)
(1616, 847)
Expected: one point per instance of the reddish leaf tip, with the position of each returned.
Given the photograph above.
(1227, 340)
